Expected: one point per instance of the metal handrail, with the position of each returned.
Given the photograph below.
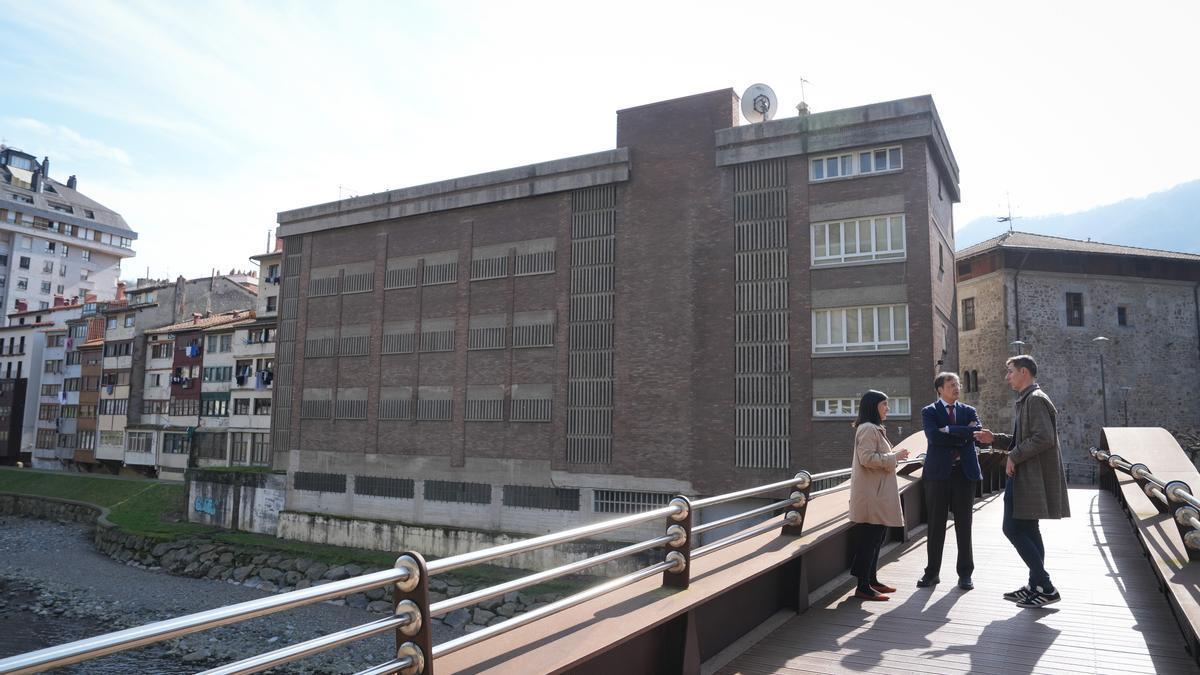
(261, 662)
(101, 645)
(456, 644)
(89, 648)
(468, 599)
(1168, 495)
(1164, 491)
(749, 492)
(566, 536)
(742, 516)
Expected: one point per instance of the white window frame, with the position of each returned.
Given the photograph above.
(831, 338)
(821, 235)
(841, 407)
(856, 163)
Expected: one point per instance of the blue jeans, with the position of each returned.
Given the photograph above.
(1027, 539)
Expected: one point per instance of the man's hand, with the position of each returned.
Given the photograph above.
(902, 454)
(1010, 468)
(984, 436)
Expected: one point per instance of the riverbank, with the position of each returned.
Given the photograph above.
(52, 577)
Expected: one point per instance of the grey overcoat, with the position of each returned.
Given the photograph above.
(1039, 486)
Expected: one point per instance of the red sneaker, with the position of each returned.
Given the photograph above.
(863, 595)
(883, 588)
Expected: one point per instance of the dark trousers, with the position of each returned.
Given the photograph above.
(957, 494)
(1026, 537)
(867, 539)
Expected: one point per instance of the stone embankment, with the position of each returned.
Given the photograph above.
(202, 558)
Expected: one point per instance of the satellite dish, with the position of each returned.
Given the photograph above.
(759, 103)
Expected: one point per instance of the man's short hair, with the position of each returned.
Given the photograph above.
(941, 379)
(1023, 361)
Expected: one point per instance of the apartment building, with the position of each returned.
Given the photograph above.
(1100, 319)
(54, 240)
(694, 311)
(183, 424)
(23, 358)
(84, 372)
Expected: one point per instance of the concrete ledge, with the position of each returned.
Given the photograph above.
(560, 175)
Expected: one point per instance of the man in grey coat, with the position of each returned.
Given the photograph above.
(1037, 486)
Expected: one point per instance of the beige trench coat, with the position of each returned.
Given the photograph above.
(874, 492)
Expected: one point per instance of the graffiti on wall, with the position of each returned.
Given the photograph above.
(206, 505)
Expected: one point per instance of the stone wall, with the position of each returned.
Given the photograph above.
(1151, 364)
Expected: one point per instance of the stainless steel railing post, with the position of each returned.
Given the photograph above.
(679, 549)
(794, 525)
(410, 596)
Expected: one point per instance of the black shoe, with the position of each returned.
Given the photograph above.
(927, 581)
(966, 584)
(1039, 598)
(1019, 595)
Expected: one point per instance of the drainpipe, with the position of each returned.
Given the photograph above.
(1196, 301)
(1017, 295)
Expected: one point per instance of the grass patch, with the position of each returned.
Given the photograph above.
(151, 509)
(135, 505)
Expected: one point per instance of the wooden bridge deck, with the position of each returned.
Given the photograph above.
(1112, 618)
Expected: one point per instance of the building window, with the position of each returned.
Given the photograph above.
(319, 482)
(114, 406)
(22, 283)
(139, 441)
(861, 240)
(272, 303)
(85, 255)
(898, 406)
(860, 329)
(1074, 309)
(129, 319)
(218, 374)
(184, 407)
(856, 164)
(162, 350)
(45, 288)
(968, 313)
(241, 406)
(48, 267)
(24, 262)
(1122, 316)
(262, 406)
(941, 258)
(176, 444)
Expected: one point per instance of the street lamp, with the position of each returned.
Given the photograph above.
(1018, 346)
(1101, 342)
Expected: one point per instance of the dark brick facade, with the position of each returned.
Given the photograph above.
(673, 360)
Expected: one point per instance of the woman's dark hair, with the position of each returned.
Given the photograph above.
(868, 407)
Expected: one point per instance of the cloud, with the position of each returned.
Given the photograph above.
(63, 141)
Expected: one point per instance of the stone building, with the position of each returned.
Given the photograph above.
(695, 311)
(1055, 298)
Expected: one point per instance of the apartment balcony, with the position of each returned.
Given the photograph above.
(139, 458)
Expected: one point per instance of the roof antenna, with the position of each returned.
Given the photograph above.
(1010, 217)
(802, 106)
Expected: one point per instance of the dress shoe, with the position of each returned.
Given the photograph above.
(927, 581)
(872, 595)
(965, 583)
(883, 588)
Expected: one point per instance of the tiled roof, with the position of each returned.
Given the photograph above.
(234, 324)
(1043, 242)
(205, 322)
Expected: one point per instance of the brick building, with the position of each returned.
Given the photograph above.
(1053, 297)
(695, 311)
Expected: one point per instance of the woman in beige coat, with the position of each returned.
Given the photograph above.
(874, 494)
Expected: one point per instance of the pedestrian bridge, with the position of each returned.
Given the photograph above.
(774, 598)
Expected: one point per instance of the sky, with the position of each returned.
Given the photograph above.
(200, 121)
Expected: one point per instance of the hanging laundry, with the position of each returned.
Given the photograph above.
(259, 384)
(268, 377)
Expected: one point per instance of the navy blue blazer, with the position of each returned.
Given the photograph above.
(941, 444)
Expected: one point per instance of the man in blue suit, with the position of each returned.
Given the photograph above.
(951, 475)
